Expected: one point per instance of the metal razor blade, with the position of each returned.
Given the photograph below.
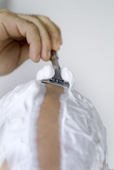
(56, 79)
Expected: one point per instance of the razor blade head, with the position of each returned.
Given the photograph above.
(56, 79)
(57, 82)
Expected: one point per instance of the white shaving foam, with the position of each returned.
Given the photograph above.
(67, 76)
(19, 110)
(82, 133)
(45, 73)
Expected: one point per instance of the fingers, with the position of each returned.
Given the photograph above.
(12, 27)
(54, 32)
(50, 34)
(45, 39)
(41, 34)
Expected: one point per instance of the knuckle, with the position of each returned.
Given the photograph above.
(3, 14)
(36, 20)
(33, 27)
(4, 11)
(34, 16)
(45, 17)
(3, 17)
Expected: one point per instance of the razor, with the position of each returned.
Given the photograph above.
(56, 79)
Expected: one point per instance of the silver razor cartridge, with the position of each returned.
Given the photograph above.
(56, 79)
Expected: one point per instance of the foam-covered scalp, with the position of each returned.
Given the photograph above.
(82, 134)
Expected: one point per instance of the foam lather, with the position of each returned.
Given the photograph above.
(83, 143)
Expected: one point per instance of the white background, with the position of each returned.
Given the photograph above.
(88, 50)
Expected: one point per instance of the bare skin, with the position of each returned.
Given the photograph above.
(23, 36)
(31, 36)
(48, 130)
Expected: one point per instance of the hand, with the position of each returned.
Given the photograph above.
(23, 36)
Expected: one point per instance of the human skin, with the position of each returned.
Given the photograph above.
(23, 36)
(48, 129)
(48, 146)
